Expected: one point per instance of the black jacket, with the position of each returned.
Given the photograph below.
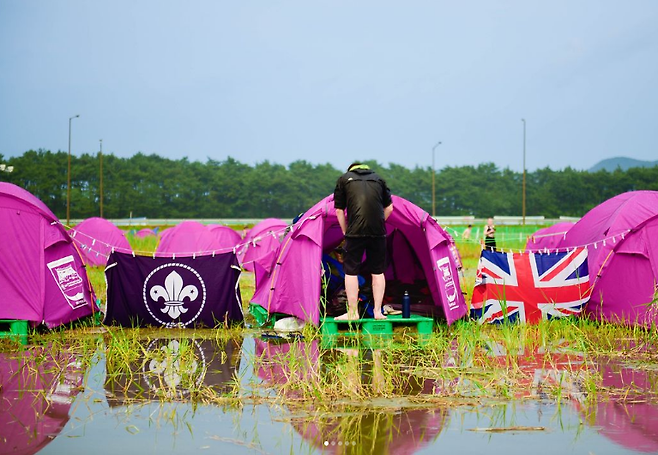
(364, 195)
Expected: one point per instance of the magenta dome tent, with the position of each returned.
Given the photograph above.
(419, 249)
(146, 232)
(261, 239)
(189, 238)
(42, 277)
(548, 238)
(96, 238)
(621, 235)
(226, 236)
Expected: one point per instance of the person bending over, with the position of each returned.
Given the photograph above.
(363, 203)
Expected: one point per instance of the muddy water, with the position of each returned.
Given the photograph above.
(52, 406)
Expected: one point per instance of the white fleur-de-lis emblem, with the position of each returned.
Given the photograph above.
(170, 366)
(174, 293)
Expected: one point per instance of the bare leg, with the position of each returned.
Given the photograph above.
(352, 291)
(378, 288)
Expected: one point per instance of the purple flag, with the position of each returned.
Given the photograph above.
(181, 292)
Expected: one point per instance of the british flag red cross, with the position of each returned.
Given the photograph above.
(529, 287)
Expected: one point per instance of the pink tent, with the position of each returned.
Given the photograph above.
(261, 239)
(226, 236)
(289, 281)
(96, 238)
(189, 238)
(621, 235)
(548, 238)
(146, 232)
(42, 276)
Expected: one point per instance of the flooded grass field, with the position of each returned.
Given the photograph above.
(563, 386)
(572, 386)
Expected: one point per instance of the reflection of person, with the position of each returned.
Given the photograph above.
(467, 232)
(363, 203)
(490, 235)
(350, 372)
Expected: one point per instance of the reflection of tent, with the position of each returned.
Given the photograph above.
(621, 235)
(36, 392)
(175, 368)
(548, 237)
(371, 431)
(274, 367)
(96, 237)
(419, 251)
(192, 237)
(632, 425)
(42, 276)
(260, 240)
(633, 421)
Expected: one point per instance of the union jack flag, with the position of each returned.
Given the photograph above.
(529, 287)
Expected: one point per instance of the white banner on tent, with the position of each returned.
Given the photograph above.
(68, 281)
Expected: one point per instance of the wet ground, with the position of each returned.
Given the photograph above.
(255, 395)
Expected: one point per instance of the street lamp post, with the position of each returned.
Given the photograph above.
(433, 177)
(68, 178)
(523, 208)
(100, 156)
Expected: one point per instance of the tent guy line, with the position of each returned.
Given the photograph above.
(603, 242)
(235, 249)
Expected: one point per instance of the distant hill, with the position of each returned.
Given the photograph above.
(624, 164)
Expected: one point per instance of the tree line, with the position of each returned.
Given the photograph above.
(156, 187)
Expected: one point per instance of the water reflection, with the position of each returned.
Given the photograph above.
(543, 372)
(349, 428)
(354, 431)
(630, 417)
(36, 392)
(173, 369)
(298, 397)
(299, 369)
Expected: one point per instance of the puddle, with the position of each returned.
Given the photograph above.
(246, 395)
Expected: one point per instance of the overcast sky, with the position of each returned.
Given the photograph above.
(333, 81)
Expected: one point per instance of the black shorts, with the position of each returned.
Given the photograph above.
(375, 249)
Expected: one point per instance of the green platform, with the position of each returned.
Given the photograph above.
(370, 326)
(263, 318)
(14, 329)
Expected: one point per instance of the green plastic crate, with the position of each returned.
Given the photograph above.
(14, 328)
(370, 326)
(263, 319)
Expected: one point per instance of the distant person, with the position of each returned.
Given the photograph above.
(467, 232)
(363, 203)
(490, 235)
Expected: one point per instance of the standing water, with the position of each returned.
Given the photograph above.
(270, 395)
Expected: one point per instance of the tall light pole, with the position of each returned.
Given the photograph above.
(68, 178)
(523, 209)
(433, 191)
(100, 156)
